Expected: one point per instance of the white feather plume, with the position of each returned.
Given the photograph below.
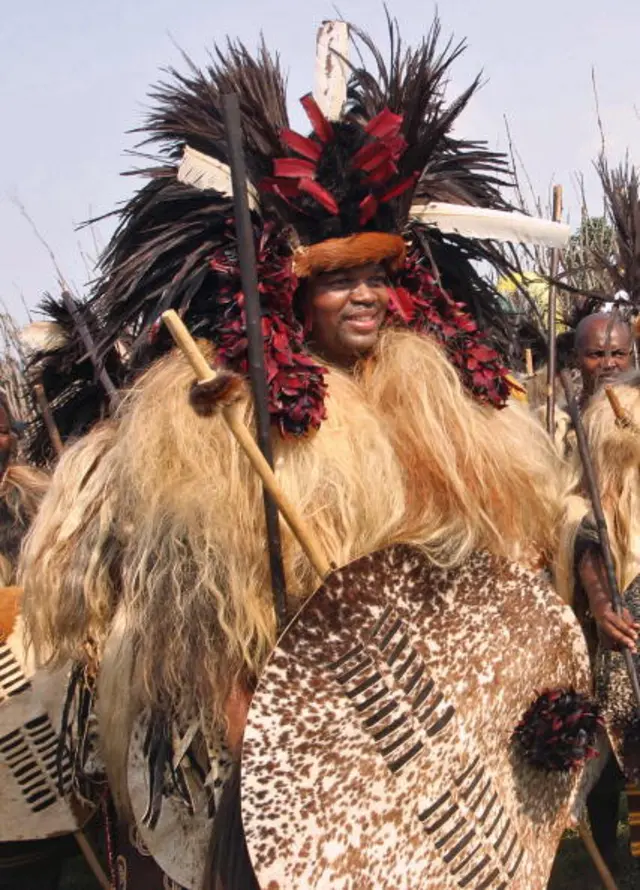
(204, 172)
(41, 336)
(332, 48)
(491, 225)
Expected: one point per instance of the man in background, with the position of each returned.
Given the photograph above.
(603, 348)
(603, 351)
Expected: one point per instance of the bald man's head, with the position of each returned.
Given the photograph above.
(603, 349)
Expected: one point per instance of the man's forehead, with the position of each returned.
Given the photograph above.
(602, 333)
(352, 271)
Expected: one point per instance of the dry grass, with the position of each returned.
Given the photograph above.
(12, 364)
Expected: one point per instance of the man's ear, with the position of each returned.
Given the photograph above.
(302, 303)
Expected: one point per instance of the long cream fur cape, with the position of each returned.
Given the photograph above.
(157, 518)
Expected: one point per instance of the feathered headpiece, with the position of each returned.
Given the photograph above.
(364, 186)
(57, 358)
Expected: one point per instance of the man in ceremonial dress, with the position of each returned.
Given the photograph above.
(415, 671)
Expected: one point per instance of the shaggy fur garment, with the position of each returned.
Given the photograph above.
(615, 453)
(161, 514)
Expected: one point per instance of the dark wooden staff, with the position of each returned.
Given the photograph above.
(47, 416)
(601, 523)
(255, 342)
(85, 335)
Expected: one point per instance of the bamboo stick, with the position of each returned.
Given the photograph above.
(92, 860)
(596, 857)
(204, 372)
(528, 357)
(622, 417)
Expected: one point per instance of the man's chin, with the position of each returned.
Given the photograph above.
(363, 343)
(608, 379)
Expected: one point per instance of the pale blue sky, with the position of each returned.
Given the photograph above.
(74, 77)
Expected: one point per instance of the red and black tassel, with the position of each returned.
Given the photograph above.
(558, 732)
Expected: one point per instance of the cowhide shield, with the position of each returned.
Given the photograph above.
(378, 751)
(31, 704)
(135, 867)
(178, 841)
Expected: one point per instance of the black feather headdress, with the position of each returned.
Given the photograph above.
(76, 397)
(340, 196)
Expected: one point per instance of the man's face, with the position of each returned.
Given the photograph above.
(6, 438)
(604, 354)
(346, 310)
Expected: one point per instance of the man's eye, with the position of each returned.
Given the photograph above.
(377, 281)
(600, 355)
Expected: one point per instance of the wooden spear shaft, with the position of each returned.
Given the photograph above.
(92, 860)
(530, 375)
(89, 345)
(204, 372)
(528, 358)
(47, 416)
(596, 857)
(553, 274)
(622, 416)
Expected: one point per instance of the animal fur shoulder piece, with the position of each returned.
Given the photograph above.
(615, 452)
(162, 507)
(175, 245)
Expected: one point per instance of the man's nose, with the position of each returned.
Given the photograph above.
(362, 293)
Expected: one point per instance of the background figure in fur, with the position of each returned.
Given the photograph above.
(614, 447)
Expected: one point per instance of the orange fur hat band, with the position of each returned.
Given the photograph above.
(345, 253)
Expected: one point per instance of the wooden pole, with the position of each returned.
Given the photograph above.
(622, 417)
(551, 325)
(47, 416)
(255, 340)
(203, 372)
(85, 335)
(596, 857)
(528, 358)
(92, 860)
